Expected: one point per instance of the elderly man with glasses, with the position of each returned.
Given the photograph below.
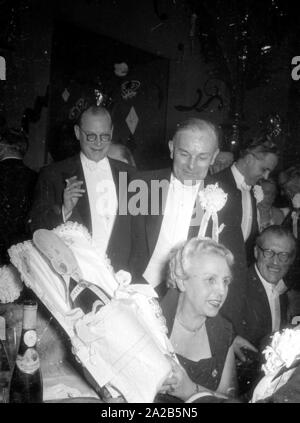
(266, 292)
(88, 188)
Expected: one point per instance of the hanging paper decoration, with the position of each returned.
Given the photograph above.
(80, 105)
(271, 125)
(129, 89)
(99, 97)
(132, 120)
(121, 69)
(65, 95)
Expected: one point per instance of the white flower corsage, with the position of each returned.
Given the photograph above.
(296, 201)
(212, 199)
(258, 193)
(283, 351)
(10, 284)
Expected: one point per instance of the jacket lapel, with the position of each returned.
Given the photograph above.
(154, 221)
(254, 226)
(196, 219)
(283, 300)
(82, 207)
(261, 298)
(122, 194)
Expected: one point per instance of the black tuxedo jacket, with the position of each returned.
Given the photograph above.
(234, 208)
(47, 208)
(17, 183)
(146, 229)
(258, 318)
(293, 276)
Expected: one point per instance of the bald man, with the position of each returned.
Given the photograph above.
(175, 214)
(85, 189)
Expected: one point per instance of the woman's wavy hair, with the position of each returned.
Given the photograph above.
(182, 256)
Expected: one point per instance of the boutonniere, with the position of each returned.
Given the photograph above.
(212, 199)
(296, 201)
(258, 193)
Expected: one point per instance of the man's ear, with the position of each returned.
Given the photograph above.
(249, 158)
(181, 284)
(171, 148)
(77, 131)
(214, 156)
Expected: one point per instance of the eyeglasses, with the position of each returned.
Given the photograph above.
(92, 137)
(282, 256)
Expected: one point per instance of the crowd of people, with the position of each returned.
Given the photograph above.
(223, 293)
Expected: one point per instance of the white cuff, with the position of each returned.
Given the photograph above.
(64, 216)
(200, 395)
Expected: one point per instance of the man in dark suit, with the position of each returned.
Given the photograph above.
(17, 185)
(173, 214)
(88, 188)
(172, 210)
(266, 293)
(256, 162)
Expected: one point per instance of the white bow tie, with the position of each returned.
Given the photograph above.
(94, 166)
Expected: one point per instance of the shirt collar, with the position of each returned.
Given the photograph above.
(277, 289)
(176, 183)
(93, 166)
(239, 178)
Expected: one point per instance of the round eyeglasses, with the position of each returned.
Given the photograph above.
(92, 137)
(282, 256)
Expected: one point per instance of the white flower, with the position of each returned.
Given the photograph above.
(121, 69)
(283, 351)
(258, 193)
(296, 201)
(212, 198)
(10, 284)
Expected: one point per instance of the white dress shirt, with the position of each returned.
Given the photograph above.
(11, 157)
(246, 201)
(102, 196)
(273, 292)
(174, 228)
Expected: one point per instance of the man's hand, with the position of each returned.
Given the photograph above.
(238, 344)
(72, 193)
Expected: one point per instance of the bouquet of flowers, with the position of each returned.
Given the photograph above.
(281, 356)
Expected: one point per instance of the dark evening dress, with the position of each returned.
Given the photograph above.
(205, 372)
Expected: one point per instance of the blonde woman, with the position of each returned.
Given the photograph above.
(199, 278)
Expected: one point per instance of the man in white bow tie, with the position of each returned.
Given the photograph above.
(85, 189)
(193, 149)
(254, 163)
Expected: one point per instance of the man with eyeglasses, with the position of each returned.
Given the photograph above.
(239, 216)
(85, 189)
(266, 292)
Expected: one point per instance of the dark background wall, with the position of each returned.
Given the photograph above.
(159, 27)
